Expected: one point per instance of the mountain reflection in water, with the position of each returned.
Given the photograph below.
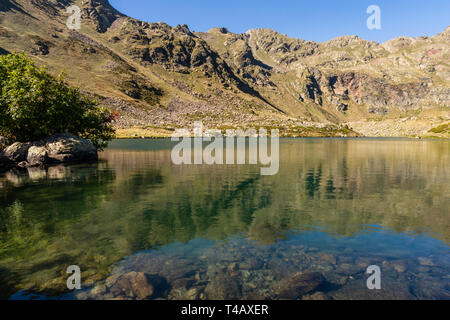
(377, 200)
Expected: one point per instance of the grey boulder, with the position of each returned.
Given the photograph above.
(5, 163)
(59, 148)
(17, 152)
(66, 147)
(37, 155)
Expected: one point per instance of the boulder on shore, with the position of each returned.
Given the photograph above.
(69, 148)
(17, 152)
(59, 148)
(5, 163)
(37, 155)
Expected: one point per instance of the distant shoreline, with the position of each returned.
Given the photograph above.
(306, 137)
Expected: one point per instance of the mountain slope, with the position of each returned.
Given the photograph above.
(158, 76)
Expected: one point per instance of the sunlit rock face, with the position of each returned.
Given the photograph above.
(157, 75)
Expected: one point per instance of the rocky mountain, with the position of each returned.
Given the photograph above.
(159, 77)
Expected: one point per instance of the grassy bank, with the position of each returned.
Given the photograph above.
(292, 131)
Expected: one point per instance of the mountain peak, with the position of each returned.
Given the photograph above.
(155, 74)
(345, 41)
(444, 34)
(101, 12)
(222, 30)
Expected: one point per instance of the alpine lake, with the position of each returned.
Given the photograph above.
(140, 227)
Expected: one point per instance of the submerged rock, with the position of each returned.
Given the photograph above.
(328, 257)
(391, 289)
(317, 296)
(300, 284)
(425, 262)
(136, 285)
(184, 283)
(233, 267)
(431, 288)
(400, 265)
(350, 268)
(224, 287)
(251, 264)
(185, 294)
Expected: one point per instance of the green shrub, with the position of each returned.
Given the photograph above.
(35, 105)
(443, 128)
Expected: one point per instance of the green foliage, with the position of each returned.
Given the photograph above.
(444, 128)
(35, 105)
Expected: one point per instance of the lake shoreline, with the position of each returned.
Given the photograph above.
(136, 220)
(297, 137)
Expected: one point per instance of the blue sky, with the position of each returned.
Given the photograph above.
(318, 20)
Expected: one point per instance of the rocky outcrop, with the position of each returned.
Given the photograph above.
(17, 152)
(37, 155)
(40, 48)
(59, 148)
(100, 13)
(69, 148)
(175, 49)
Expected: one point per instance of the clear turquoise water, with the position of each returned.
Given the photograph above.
(335, 207)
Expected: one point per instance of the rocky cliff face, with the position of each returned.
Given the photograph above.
(403, 74)
(143, 70)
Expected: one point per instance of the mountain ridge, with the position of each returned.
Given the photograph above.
(160, 77)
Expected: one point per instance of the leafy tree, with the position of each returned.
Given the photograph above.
(35, 105)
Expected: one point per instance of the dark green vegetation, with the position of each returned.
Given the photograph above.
(444, 128)
(35, 105)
